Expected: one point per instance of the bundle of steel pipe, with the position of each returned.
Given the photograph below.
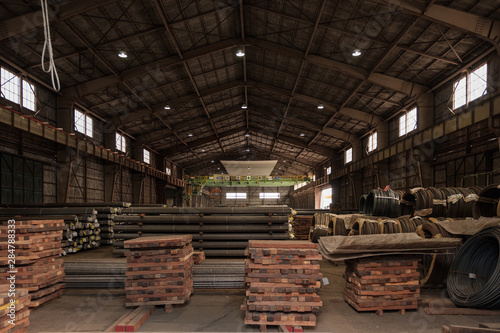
(208, 210)
(301, 211)
(70, 204)
(110, 273)
(218, 231)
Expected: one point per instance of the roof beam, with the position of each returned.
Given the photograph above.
(92, 86)
(23, 24)
(408, 88)
(482, 27)
(158, 135)
(200, 142)
(141, 114)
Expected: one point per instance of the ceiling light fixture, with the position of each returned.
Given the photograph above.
(122, 54)
(291, 149)
(244, 106)
(167, 107)
(190, 134)
(302, 134)
(320, 106)
(213, 161)
(247, 135)
(356, 53)
(240, 53)
(203, 150)
(247, 150)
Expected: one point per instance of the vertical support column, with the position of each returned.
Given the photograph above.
(425, 113)
(138, 187)
(64, 165)
(65, 113)
(110, 170)
(356, 178)
(382, 170)
(335, 184)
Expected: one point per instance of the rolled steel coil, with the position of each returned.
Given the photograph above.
(364, 227)
(339, 228)
(382, 203)
(454, 209)
(474, 277)
(362, 204)
(419, 201)
(317, 233)
(488, 202)
(439, 202)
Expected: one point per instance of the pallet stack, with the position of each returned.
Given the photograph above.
(282, 283)
(302, 227)
(159, 270)
(382, 283)
(19, 307)
(37, 264)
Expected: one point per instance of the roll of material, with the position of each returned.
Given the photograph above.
(197, 219)
(382, 203)
(488, 204)
(474, 277)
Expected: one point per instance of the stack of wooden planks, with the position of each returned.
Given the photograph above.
(159, 270)
(14, 312)
(382, 283)
(302, 227)
(37, 266)
(198, 257)
(282, 283)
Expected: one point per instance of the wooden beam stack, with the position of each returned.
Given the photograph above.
(159, 270)
(283, 280)
(198, 257)
(14, 305)
(37, 266)
(302, 227)
(382, 283)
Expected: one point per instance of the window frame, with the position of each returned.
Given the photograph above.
(404, 126)
(329, 171)
(31, 89)
(168, 171)
(87, 126)
(269, 195)
(372, 142)
(237, 195)
(7, 83)
(122, 147)
(145, 153)
(348, 153)
(464, 86)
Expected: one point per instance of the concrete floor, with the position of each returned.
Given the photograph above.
(219, 311)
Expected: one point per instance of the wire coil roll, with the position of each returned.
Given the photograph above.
(474, 277)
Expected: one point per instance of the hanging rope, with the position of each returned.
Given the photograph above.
(47, 46)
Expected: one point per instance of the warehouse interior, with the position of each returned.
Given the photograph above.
(272, 153)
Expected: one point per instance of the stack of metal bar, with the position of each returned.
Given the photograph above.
(31, 254)
(302, 226)
(87, 224)
(283, 281)
(159, 270)
(110, 273)
(217, 231)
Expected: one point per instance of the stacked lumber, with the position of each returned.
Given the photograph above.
(37, 265)
(159, 270)
(282, 283)
(302, 226)
(198, 257)
(217, 231)
(14, 307)
(382, 283)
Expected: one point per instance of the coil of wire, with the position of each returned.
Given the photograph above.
(382, 203)
(339, 228)
(488, 202)
(434, 267)
(362, 204)
(474, 277)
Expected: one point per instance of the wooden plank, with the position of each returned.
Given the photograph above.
(112, 327)
(468, 329)
(140, 319)
(124, 320)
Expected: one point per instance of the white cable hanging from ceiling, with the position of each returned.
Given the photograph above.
(47, 45)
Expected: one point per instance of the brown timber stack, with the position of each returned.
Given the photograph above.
(382, 283)
(283, 281)
(159, 270)
(37, 265)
